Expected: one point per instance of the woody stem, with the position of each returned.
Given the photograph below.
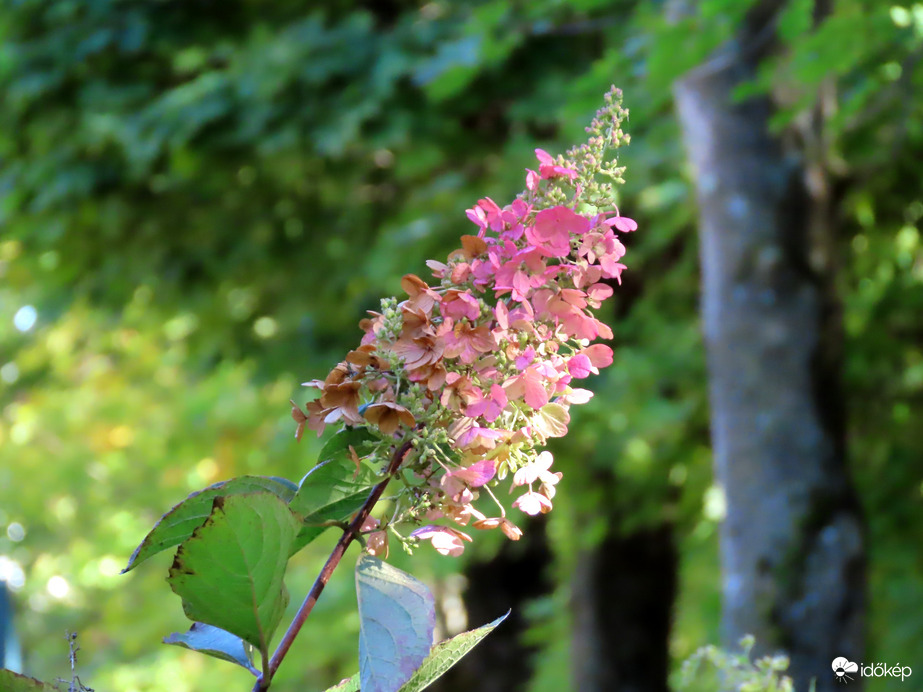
(326, 572)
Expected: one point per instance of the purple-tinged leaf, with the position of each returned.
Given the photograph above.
(215, 642)
(443, 656)
(397, 617)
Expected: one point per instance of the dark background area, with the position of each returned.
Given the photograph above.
(199, 201)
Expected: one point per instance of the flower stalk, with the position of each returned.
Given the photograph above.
(336, 555)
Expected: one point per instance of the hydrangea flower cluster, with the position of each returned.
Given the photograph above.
(478, 367)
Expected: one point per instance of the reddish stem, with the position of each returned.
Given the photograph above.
(339, 550)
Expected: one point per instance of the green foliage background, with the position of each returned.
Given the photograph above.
(201, 200)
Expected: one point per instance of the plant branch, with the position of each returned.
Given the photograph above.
(333, 561)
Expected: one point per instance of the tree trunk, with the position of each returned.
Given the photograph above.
(792, 541)
(515, 576)
(622, 603)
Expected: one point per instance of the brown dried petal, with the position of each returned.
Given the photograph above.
(365, 356)
(338, 374)
(473, 246)
(421, 295)
(300, 418)
(388, 416)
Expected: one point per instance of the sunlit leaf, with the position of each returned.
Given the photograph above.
(335, 488)
(178, 524)
(215, 642)
(397, 617)
(229, 573)
(446, 654)
(443, 656)
(14, 682)
(360, 439)
(347, 685)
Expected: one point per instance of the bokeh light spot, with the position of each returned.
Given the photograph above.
(266, 327)
(25, 318)
(58, 587)
(16, 532)
(9, 373)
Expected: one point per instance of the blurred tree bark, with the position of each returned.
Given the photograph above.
(622, 604)
(792, 541)
(512, 578)
(622, 597)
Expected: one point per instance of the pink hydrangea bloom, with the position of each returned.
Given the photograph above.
(446, 540)
(548, 169)
(476, 475)
(532, 503)
(525, 359)
(580, 366)
(481, 363)
(552, 230)
(537, 470)
(529, 386)
(598, 293)
(465, 341)
(622, 223)
(476, 437)
(589, 360)
(460, 304)
(489, 406)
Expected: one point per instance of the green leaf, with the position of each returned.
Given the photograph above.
(336, 487)
(14, 682)
(397, 616)
(446, 654)
(178, 524)
(442, 657)
(347, 685)
(337, 447)
(454, 65)
(340, 510)
(229, 573)
(215, 642)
